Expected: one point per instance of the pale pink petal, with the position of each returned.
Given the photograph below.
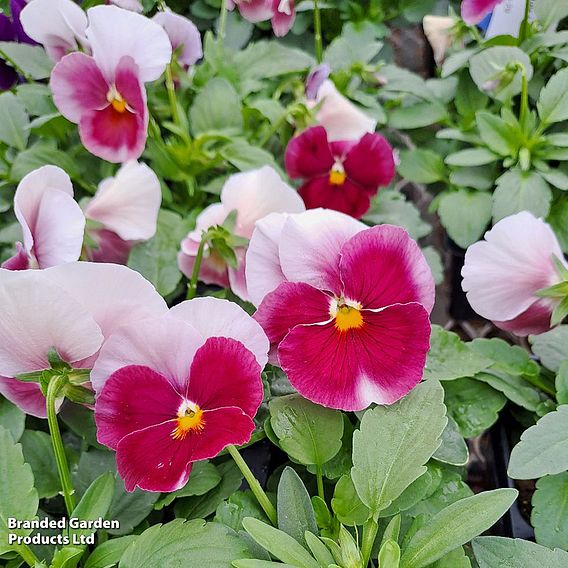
(78, 86)
(165, 344)
(255, 10)
(339, 116)
(59, 25)
(115, 33)
(255, 194)
(38, 315)
(384, 266)
(237, 276)
(213, 317)
(26, 396)
(379, 362)
(132, 5)
(128, 203)
(310, 246)
(109, 247)
(502, 273)
(533, 321)
(262, 269)
(213, 269)
(284, 16)
(182, 32)
(20, 260)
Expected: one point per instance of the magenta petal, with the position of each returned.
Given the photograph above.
(78, 86)
(347, 198)
(533, 321)
(133, 398)
(255, 10)
(384, 266)
(152, 460)
(26, 396)
(309, 154)
(110, 247)
(20, 261)
(473, 11)
(379, 362)
(291, 304)
(370, 163)
(225, 373)
(284, 16)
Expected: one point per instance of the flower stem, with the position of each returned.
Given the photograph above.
(192, 287)
(317, 32)
(524, 97)
(53, 389)
(171, 88)
(221, 31)
(370, 529)
(523, 30)
(319, 477)
(27, 554)
(257, 490)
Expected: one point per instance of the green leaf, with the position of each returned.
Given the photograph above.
(181, 543)
(551, 347)
(421, 166)
(457, 61)
(417, 115)
(319, 550)
(515, 388)
(279, 544)
(472, 157)
(450, 358)
(465, 215)
(499, 135)
(30, 59)
(558, 219)
(393, 444)
(252, 563)
(456, 525)
(434, 260)
(392, 207)
(455, 559)
(549, 12)
(245, 156)
(110, 552)
(562, 383)
(14, 121)
(543, 449)
(552, 104)
(347, 505)
(42, 154)
(240, 505)
(389, 555)
(521, 191)
(156, 259)
(12, 418)
(18, 497)
(413, 494)
(469, 99)
(295, 510)
(308, 433)
(453, 449)
(38, 452)
(493, 551)
(216, 108)
(550, 511)
(357, 44)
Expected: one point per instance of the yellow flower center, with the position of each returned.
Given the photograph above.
(190, 419)
(337, 175)
(116, 100)
(347, 315)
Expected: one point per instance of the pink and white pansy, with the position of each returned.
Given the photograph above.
(281, 13)
(502, 274)
(177, 389)
(473, 11)
(104, 93)
(346, 307)
(71, 308)
(253, 195)
(51, 220)
(184, 37)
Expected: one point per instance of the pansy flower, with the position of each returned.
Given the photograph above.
(71, 308)
(177, 389)
(253, 195)
(281, 13)
(184, 37)
(346, 308)
(502, 274)
(104, 93)
(473, 11)
(340, 175)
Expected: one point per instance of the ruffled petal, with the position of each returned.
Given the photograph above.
(308, 154)
(26, 396)
(213, 317)
(133, 398)
(533, 321)
(20, 260)
(473, 11)
(128, 203)
(109, 247)
(379, 362)
(370, 163)
(284, 16)
(237, 276)
(132, 5)
(182, 33)
(383, 266)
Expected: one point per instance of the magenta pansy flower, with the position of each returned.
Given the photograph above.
(253, 195)
(281, 13)
(125, 209)
(72, 308)
(52, 221)
(59, 25)
(178, 389)
(473, 11)
(343, 176)
(503, 272)
(104, 93)
(346, 308)
(184, 36)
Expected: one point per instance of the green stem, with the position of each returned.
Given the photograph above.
(192, 287)
(317, 32)
(524, 29)
(524, 97)
(27, 554)
(171, 88)
(540, 384)
(476, 35)
(319, 477)
(273, 129)
(370, 529)
(257, 490)
(53, 389)
(222, 21)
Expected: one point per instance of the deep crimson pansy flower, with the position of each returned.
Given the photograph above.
(342, 175)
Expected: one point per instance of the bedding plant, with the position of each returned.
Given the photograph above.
(222, 339)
